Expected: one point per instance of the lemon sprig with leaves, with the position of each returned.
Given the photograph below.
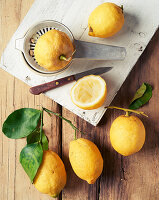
(28, 122)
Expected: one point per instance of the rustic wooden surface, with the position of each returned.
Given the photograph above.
(123, 178)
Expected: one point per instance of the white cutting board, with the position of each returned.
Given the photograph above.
(141, 22)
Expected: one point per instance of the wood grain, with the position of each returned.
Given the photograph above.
(14, 183)
(124, 178)
(134, 36)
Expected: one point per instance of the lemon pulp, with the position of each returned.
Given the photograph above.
(89, 92)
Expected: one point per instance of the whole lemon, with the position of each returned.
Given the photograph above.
(51, 176)
(85, 159)
(127, 134)
(50, 47)
(105, 20)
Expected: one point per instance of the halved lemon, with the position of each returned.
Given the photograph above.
(89, 92)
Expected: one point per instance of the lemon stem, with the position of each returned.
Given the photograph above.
(127, 114)
(90, 29)
(127, 110)
(41, 126)
(62, 57)
(122, 8)
(63, 118)
(75, 136)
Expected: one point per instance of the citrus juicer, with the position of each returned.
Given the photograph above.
(83, 50)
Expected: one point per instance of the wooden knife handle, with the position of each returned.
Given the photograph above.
(51, 85)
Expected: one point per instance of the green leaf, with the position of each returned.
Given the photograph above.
(139, 93)
(35, 137)
(21, 123)
(141, 97)
(31, 158)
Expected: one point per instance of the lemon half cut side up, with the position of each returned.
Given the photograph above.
(89, 92)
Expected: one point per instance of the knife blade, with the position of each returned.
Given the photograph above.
(36, 90)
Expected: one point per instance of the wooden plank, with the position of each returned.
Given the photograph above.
(76, 188)
(14, 183)
(123, 178)
(135, 177)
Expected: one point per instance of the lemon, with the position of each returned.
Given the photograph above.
(127, 134)
(50, 47)
(51, 176)
(89, 92)
(85, 159)
(105, 20)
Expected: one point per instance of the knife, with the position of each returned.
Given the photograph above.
(63, 81)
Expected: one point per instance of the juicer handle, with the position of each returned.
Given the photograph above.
(89, 50)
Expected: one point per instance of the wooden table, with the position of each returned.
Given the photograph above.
(123, 178)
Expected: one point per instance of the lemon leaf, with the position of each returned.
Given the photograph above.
(21, 123)
(35, 137)
(142, 96)
(139, 93)
(31, 158)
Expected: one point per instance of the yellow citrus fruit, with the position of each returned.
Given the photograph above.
(85, 159)
(50, 47)
(89, 92)
(51, 176)
(105, 20)
(127, 134)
